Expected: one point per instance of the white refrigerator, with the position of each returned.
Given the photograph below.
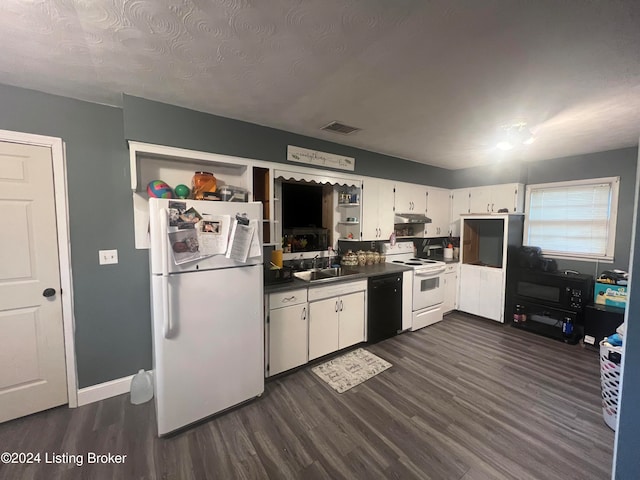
(207, 317)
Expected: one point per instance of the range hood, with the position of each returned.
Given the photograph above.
(411, 218)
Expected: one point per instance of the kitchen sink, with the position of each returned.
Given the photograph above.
(316, 274)
(338, 271)
(311, 275)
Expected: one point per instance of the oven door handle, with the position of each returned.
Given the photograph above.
(431, 273)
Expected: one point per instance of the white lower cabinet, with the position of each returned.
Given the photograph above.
(287, 331)
(482, 291)
(351, 321)
(323, 327)
(336, 321)
(450, 288)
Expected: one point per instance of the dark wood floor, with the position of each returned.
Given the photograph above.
(465, 399)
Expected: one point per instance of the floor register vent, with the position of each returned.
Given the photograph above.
(341, 128)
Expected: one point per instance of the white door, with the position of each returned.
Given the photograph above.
(385, 209)
(504, 196)
(491, 299)
(377, 209)
(352, 321)
(403, 201)
(480, 200)
(369, 197)
(323, 327)
(32, 361)
(288, 337)
(449, 303)
(459, 206)
(438, 209)
(470, 288)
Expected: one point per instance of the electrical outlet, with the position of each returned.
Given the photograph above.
(107, 257)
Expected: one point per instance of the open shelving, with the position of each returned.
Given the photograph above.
(347, 213)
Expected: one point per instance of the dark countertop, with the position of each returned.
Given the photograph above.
(363, 273)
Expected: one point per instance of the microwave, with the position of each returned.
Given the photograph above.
(561, 290)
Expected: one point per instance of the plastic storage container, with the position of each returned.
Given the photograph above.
(141, 387)
(201, 183)
(610, 358)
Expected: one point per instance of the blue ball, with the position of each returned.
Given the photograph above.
(159, 189)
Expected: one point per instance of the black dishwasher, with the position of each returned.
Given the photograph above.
(384, 307)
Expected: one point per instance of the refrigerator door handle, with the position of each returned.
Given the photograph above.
(166, 311)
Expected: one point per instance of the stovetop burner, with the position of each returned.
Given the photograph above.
(413, 263)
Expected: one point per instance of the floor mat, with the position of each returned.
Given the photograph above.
(350, 369)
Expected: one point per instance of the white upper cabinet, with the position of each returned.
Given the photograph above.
(492, 198)
(480, 199)
(510, 196)
(377, 209)
(485, 200)
(459, 206)
(438, 208)
(410, 198)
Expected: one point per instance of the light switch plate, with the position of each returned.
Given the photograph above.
(107, 257)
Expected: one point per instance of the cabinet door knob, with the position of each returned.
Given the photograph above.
(304, 313)
(341, 305)
(336, 306)
(487, 207)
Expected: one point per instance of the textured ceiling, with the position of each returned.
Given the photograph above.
(430, 81)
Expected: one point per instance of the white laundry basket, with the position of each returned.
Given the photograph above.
(610, 358)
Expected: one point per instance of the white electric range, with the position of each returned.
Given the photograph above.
(428, 283)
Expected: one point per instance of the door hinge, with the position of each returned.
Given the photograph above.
(268, 368)
(268, 319)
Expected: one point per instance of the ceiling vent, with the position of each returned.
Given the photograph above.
(341, 128)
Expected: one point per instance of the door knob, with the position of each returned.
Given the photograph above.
(49, 292)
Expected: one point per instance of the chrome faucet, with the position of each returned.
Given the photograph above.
(314, 262)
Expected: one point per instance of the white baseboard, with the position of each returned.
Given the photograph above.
(95, 393)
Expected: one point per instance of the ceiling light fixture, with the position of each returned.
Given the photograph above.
(514, 135)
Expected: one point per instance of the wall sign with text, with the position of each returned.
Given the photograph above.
(322, 159)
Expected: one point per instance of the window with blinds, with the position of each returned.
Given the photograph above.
(573, 219)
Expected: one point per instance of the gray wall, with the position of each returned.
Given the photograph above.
(159, 123)
(612, 163)
(626, 460)
(113, 336)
